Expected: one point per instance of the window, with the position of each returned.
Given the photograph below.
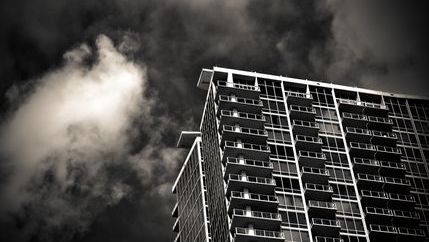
(296, 235)
(290, 201)
(407, 139)
(422, 127)
(278, 136)
(293, 219)
(411, 153)
(285, 167)
(424, 141)
(281, 152)
(336, 159)
(287, 184)
(274, 106)
(329, 128)
(402, 124)
(351, 225)
(347, 208)
(270, 89)
(340, 175)
(326, 114)
(332, 143)
(343, 191)
(276, 121)
(322, 96)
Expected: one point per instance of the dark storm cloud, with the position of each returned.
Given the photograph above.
(375, 45)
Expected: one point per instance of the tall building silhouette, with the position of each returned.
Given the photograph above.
(284, 159)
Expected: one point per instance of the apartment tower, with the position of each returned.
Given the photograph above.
(282, 159)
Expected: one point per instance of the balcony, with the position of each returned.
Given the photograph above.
(410, 234)
(314, 175)
(251, 120)
(318, 192)
(362, 150)
(227, 88)
(256, 136)
(401, 201)
(320, 209)
(366, 182)
(351, 106)
(368, 166)
(374, 198)
(358, 135)
(402, 217)
(383, 138)
(251, 167)
(381, 216)
(375, 109)
(260, 202)
(263, 220)
(298, 98)
(379, 232)
(388, 153)
(311, 159)
(393, 184)
(354, 120)
(302, 113)
(309, 143)
(251, 151)
(392, 168)
(241, 104)
(300, 127)
(257, 184)
(325, 227)
(327, 239)
(250, 235)
(379, 123)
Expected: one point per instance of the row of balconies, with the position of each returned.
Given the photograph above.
(364, 121)
(386, 216)
(378, 183)
(364, 150)
(383, 199)
(347, 105)
(373, 136)
(392, 233)
(375, 167)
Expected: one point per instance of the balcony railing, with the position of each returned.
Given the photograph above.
(314, 175)
(305, 127)
(240, 199)
(327, 239)
(322, 204)
(362, 165)
(238, 85)
(406, 214)
(358, 134)
(378, 215)
(411, 232)
(382, 228)
(311, 143)
(379, 211)
(224, 87)
(325, 222)
(256, 214)
(253, 151)
(255, 167)
(258, 184)
(397, 181)
(245, 134)
(318, 192)
(388, 167)
(374, 198)
(311, 159)
(302, 113)
(401, 197)
(325, 227)
(299, 98)
(355, 120)
(243, 119)
(362, 150)
(240, 103)
(257, 233)
(379, 123)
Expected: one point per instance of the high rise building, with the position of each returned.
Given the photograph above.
(284, 159)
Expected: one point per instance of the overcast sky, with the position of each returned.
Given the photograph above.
(94, 93)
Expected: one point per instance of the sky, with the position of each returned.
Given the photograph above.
(93, 94)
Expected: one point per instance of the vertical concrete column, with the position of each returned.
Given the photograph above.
(229, 80)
